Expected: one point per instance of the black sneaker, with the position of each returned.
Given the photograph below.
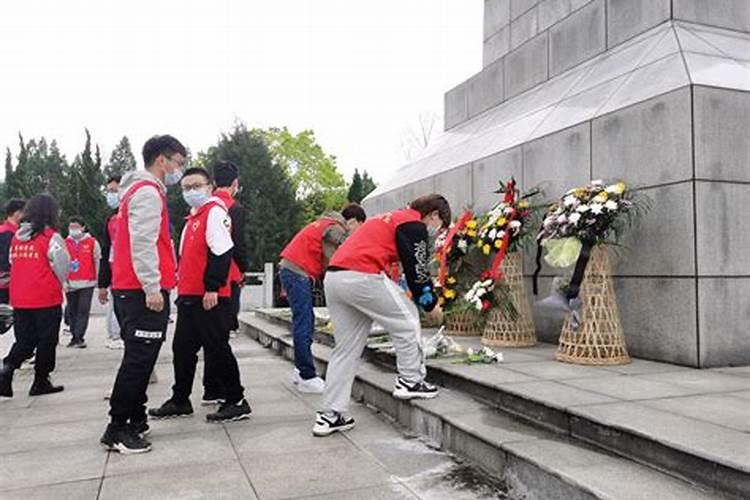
(171, 409)
(42, 386)
(78, 344)
(123, 439)
(229, 412)
(328, 423)
(141, 428)
(405, 390)
(6, 380)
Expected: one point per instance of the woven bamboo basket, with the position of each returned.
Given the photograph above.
(518, 332)
(599, 340)
(462, 324)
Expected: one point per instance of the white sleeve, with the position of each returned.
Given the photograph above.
(219, 231)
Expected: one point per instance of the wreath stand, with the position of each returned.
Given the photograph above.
(505, 332)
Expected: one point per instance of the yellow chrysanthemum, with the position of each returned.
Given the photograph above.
(472, 224)
(449, 294)
(480, 243)
(620, 187)
(471, 233)
(601, 197)
(451, 280)
(501, 221)
(486, 249)
(523, 204)
(498, 243)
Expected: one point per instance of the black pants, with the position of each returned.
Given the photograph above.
(236, 292)
(35, 329)
(78, 311)
(4, 295)
(197, 328)
(211, 384)
(143, 332)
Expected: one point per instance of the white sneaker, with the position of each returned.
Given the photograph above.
(328, 423)
(315, 385)
(296, 377)
(421, 390)
(115, 344)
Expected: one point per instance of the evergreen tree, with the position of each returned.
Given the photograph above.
(368, 185)
(121, 160)
(273, 213)
(84, 190)
(355, 188)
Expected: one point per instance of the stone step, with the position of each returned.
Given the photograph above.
(713, 456)
(535, 462)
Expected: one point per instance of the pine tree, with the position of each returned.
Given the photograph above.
(355, 188)
(368, 185)
(84, 195)
(121, 160)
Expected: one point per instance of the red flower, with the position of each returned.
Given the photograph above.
(526, 213)
(484, 276)
(486, 305)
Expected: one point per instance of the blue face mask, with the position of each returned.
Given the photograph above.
(173, 178)
(195, 197)
(113, 199)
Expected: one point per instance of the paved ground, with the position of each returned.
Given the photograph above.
(49, 445)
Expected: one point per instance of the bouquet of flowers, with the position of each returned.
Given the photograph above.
(484, 356)
(594, 214)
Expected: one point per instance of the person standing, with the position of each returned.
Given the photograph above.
(144, 270)
(39, 268)
(226, 178)
(204, 304)
(104, 280)
(359, 291)
(85, 255)
(303, 261)
(13, 214)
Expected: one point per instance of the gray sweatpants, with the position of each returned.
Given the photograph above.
(113, 327)
(354, 301)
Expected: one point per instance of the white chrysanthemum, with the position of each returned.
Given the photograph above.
(514, 224)
(574, 218)
(492, 234)
(611, 205)
(569, 201)
(463, 245)
(597, 208)
(562, 219)
(597, 183)
(583, 208)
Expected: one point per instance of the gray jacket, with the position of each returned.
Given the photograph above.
(144, 225)
(57, 254)
(80, 284)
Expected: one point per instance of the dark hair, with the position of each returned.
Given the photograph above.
(431, 202)
(161, 145)
(225, 172)
(354, 211)
(198, 171)
(41, 212)
(77, 219)
(14, 206)
(114, 178)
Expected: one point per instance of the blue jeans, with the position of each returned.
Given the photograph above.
(299, 293)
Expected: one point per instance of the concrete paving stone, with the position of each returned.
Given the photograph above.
(603, 475)
(710, 441)
(740, 371)
(64, 412)
(554, 370)
(386, 492)
(741, 394)
(43, 467)
(73, 395)
(406, 458)
(630, 388)
(38, 437)
(449, 402)
(643, 366)
(494, 426)
(279, 438)
(490, 374)
(702, 381)
(371, 425)
(725, 410)
(78, 490)
(556, 394)
(219, 480)
(20, 400)
(207, 447)
(281, 411)
(455, 483)
(294, 474)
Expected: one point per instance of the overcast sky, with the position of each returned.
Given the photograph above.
(359, 73)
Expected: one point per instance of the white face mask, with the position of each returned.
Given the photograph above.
(173, 178)
(196, 197)
(76, 233)
(113, 199)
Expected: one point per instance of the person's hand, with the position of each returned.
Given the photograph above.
(155, 301)
(103, 296)
(210, 300)
(435, 316)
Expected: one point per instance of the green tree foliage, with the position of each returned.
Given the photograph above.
(361, 186)
(318, 183)
(268, 194)
(84, 189)
(121, 160)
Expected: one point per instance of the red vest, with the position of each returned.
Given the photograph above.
(306, 248)
(33, 284)
(235, 275)
(372, 247)
(7, 227)
(194, 254)
(112, 232)
(123, 274)
(82, 265)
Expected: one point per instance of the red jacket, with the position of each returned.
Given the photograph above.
(82, 264)
(194, 255)
(372, 248)
(33, 284)
(306, 248)
(123, 273)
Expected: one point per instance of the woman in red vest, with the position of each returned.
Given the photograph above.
(360, 291)
(85, 255)
(13, 214)
(303, 261)
(39, 268)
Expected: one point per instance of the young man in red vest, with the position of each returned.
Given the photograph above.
(13, 214)
(105, 265)
(39, 267)
(204, 304)
(85, 255)
(303, 261)
(226, 178)
(144, 270)
(359, 291)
